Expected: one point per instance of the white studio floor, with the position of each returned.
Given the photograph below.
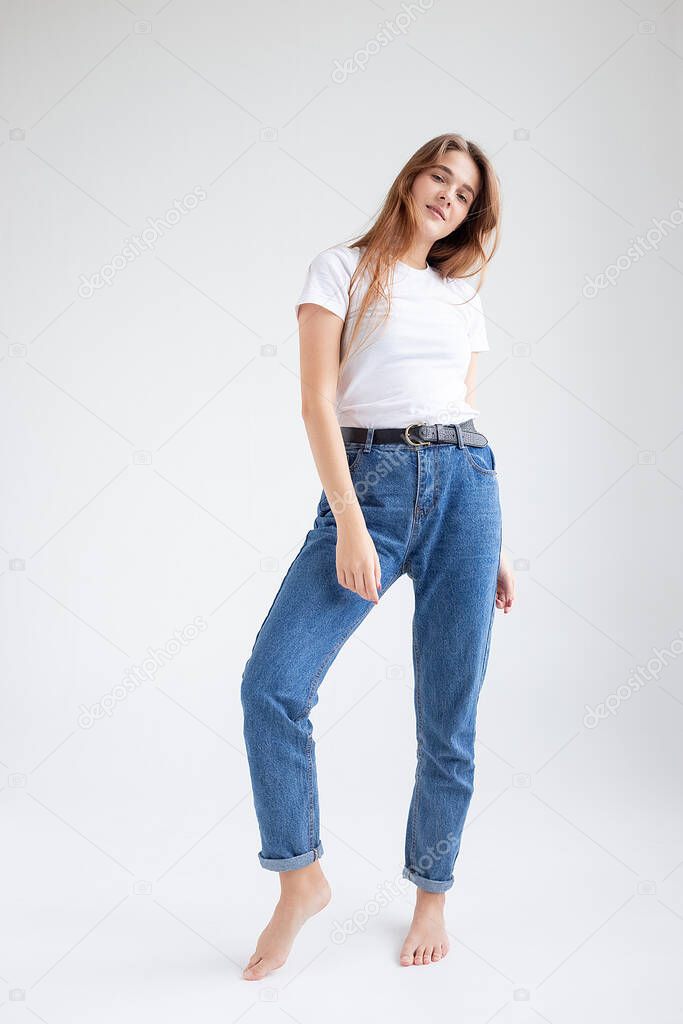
(545, 924)
(131, 890)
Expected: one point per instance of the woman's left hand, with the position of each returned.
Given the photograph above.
(505, 591)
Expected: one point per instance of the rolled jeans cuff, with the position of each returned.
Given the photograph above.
(290, 863)
(428, 884)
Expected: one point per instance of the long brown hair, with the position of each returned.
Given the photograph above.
(463, 253)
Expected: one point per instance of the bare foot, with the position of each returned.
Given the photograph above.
(303, 892)
(427, 940)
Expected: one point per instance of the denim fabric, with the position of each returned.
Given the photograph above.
(433, 513)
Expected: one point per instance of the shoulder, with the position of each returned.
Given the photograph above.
(465, 288)
(338, 259)
(328, 279)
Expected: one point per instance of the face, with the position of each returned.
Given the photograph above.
(444, 193)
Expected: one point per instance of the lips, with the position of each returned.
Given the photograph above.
(436, 210)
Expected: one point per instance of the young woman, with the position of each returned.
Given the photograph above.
(389, 329)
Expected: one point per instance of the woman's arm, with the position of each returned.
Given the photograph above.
(505, 591)
(319, 348)
(320, 335)
(471, 380)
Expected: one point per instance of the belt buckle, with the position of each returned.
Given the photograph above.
(406, 435)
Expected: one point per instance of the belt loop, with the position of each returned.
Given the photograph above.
(458, 434)
(368, 440)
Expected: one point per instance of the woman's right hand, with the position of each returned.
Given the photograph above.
(358, 567)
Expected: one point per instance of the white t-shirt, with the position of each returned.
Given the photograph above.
(412, 368)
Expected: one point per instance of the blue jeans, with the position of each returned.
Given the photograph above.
(434, 513)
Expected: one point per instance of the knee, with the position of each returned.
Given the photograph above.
(262, 701)
(250, 691)
(456, 763)
(254, 710)
(271, 707)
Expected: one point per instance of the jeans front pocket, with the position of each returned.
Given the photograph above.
(481, 459)
(353, 453)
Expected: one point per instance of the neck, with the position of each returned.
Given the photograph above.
(416, 253)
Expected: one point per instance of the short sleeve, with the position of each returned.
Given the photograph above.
(326, 283)
(476, 331)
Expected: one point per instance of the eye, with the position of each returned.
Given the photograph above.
(438, 177)
(462, 196)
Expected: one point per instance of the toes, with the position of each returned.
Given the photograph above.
(444, 948)
(407, 953)
(423, 954)
(255, 972)
(259, 969)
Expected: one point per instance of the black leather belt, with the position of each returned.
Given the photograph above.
(419, 434)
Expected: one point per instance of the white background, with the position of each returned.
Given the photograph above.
(155, 468)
